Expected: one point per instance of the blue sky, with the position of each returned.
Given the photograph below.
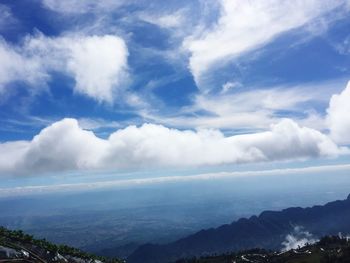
(198, 86)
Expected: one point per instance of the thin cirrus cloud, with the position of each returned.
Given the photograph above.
(171, 20)
(7, 20)
(79, 7)
(98, 64)
(42, 189)
(240, 109)
(245, 26)
(64, 146)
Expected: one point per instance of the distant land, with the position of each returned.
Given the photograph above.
(16, 246)
(100, 221)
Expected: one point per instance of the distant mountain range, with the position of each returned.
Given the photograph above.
(269, 230)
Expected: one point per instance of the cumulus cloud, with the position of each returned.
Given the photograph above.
(65, 146)
(298, 238)
(98, 64)
(245, 26)
(338, 117)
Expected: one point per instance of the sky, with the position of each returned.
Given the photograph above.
(135, 89)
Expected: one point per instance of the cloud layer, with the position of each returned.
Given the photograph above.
(42, 189)
(98, 64)
(65, 146)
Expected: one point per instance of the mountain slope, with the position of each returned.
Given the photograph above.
(268, 230)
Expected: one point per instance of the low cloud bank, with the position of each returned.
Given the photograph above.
(65, 146)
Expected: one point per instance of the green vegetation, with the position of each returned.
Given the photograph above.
(18, 239)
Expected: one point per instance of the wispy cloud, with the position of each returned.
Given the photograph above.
(167, 20)
(7, 19)
(243, 27)
(239, 109)
(18, 67)
(70, 7)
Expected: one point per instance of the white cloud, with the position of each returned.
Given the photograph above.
(338, 117)
(98, 64)
(65, 146)
(269, 99)
(170, 20)
(297, 239)
(241, 110)
(245, 26)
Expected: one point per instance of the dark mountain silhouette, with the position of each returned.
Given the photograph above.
(268, 230)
